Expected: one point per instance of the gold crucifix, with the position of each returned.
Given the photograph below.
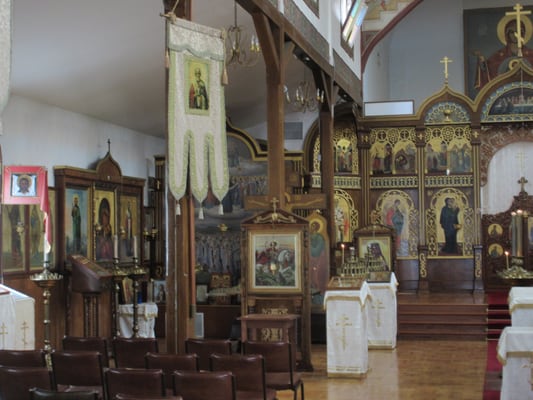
(3, 334)
(343, 322)
(522, 181)
(518, 34)
(446, 61)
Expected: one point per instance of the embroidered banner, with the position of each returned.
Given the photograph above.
(196, 111)
(5, 52)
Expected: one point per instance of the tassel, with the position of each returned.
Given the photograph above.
(178, 209)
(167, 59)
(220, 209)
(224, 76)
(201, 213)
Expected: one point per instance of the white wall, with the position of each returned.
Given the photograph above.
(39, 134)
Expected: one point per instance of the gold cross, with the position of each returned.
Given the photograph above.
(445, 61)
(274, 202)
(379, 306)
(518, 12)
(24, 328)
(343, 324)
(3, 333)
(522, 181)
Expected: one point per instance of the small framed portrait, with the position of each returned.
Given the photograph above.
(24, 184)
(197, 86)
(378, 249)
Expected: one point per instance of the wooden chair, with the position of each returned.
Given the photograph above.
(42, 394)
(16, 382)
(279, 365)
(78, 370)
(170, 363)
(201, 385)
(205, 347)
(130, 352)
(122, 396)
(134, 381)
(93, 343)
(249, 371)
(22, 358)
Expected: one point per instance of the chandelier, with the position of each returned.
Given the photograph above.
(236, 51)
(305, 98)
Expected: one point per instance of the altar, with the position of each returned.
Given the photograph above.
(515, 352)
(146, 313)
(382, 314)
(346, 326)
(17, 320)
(521, 305)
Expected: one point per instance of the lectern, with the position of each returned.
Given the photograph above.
(89, 279)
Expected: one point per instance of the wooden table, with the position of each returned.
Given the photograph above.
(254, 322)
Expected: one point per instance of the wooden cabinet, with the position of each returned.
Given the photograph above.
(100, 216)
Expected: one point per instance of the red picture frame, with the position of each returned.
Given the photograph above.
(23, 184)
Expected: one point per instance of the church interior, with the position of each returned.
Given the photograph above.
(347, 176)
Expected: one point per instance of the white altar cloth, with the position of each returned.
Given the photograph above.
(382, 314)
(346, 327)
(521, 305)
(146, 313)
(515, 352)
(17, 320)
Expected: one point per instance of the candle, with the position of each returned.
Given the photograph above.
(135, 253)
(507, 259)
(115, 246)
(513, 234)
(342, 254)
(519, 227)
(46, 253)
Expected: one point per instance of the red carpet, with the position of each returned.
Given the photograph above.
(493, 379)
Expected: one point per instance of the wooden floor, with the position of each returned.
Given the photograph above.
(416, 369)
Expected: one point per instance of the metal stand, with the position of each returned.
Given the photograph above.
(118, 276)
(136, 273)
(46, 280)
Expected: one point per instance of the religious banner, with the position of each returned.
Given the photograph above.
(5, 51)
(196, 111)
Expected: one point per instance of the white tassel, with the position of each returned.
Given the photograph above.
(201, 213)
(178, 209)
(220, 209)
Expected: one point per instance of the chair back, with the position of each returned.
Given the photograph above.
(134, 381)
(205, 347)
(280, 367)
(170, 363)
(201, 385)
(130, 352)
(249, 371)
(92, 343)
(122, 396)
(42, 394)
(16, 382)
(22, 358)
(78, 370)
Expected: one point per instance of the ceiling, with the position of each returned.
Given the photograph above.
(105, 59)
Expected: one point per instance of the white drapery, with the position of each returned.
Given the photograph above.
(197, 128)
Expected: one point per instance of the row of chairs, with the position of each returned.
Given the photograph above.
(276, 362)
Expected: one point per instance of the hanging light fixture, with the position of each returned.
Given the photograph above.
(306, 97)
(236, 52)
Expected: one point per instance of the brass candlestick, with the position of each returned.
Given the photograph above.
(136, 273)
(46, 280)
(118, 276)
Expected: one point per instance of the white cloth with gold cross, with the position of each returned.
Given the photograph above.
(17, 320)
(346, 328)
(382, 314)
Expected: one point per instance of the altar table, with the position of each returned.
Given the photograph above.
(146, 313)
(17, 320)
(346, 327)
(515, 352)
(382, 314)
(521, 305)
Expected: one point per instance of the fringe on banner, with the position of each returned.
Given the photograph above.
(178, 208)
(220, 209)
(201, 213)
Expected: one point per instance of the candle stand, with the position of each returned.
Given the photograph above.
(46, 280)
(118, 276)
(136, 273)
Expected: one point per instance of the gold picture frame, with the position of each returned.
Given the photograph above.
(275, 260)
